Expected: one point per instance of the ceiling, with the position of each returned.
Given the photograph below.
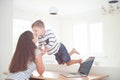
(65, 7)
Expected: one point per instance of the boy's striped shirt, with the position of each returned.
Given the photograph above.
(49, 40)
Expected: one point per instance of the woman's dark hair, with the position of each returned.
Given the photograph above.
(38, 23)
(24, 53)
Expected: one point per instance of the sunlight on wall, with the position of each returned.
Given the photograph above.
(19, 26)
(88, 39)
(96, 39)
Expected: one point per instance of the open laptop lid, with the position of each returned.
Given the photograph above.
(86, 66)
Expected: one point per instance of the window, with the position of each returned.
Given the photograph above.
(96, 37)
(88, 39)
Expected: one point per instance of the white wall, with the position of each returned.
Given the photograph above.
(5, 35)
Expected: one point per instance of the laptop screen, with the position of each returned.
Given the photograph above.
(86, 66)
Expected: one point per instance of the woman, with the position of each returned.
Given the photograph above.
(26, 58)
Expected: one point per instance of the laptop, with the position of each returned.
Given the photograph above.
(83, 70)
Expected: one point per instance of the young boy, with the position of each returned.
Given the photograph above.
(48, 39)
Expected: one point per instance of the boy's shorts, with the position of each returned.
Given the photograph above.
(62, 56)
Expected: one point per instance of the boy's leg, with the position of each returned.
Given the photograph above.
(73, 51)
(74, 62)
(64, 57)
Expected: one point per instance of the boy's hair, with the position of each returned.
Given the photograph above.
(38, 23)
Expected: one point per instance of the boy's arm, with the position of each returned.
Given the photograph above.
(51, 40)
(40, 46)
(44, 51)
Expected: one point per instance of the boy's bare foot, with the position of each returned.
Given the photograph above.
(75, 51)
(80, 61)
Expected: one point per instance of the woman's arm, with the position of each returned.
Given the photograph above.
(39, 64)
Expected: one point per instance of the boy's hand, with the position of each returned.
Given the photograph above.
(46, 49)
(80, 61)
(42, 51)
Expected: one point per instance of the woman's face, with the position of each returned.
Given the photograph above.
(35, 39)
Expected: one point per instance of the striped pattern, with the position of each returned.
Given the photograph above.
(24, 75)
(49, 41)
